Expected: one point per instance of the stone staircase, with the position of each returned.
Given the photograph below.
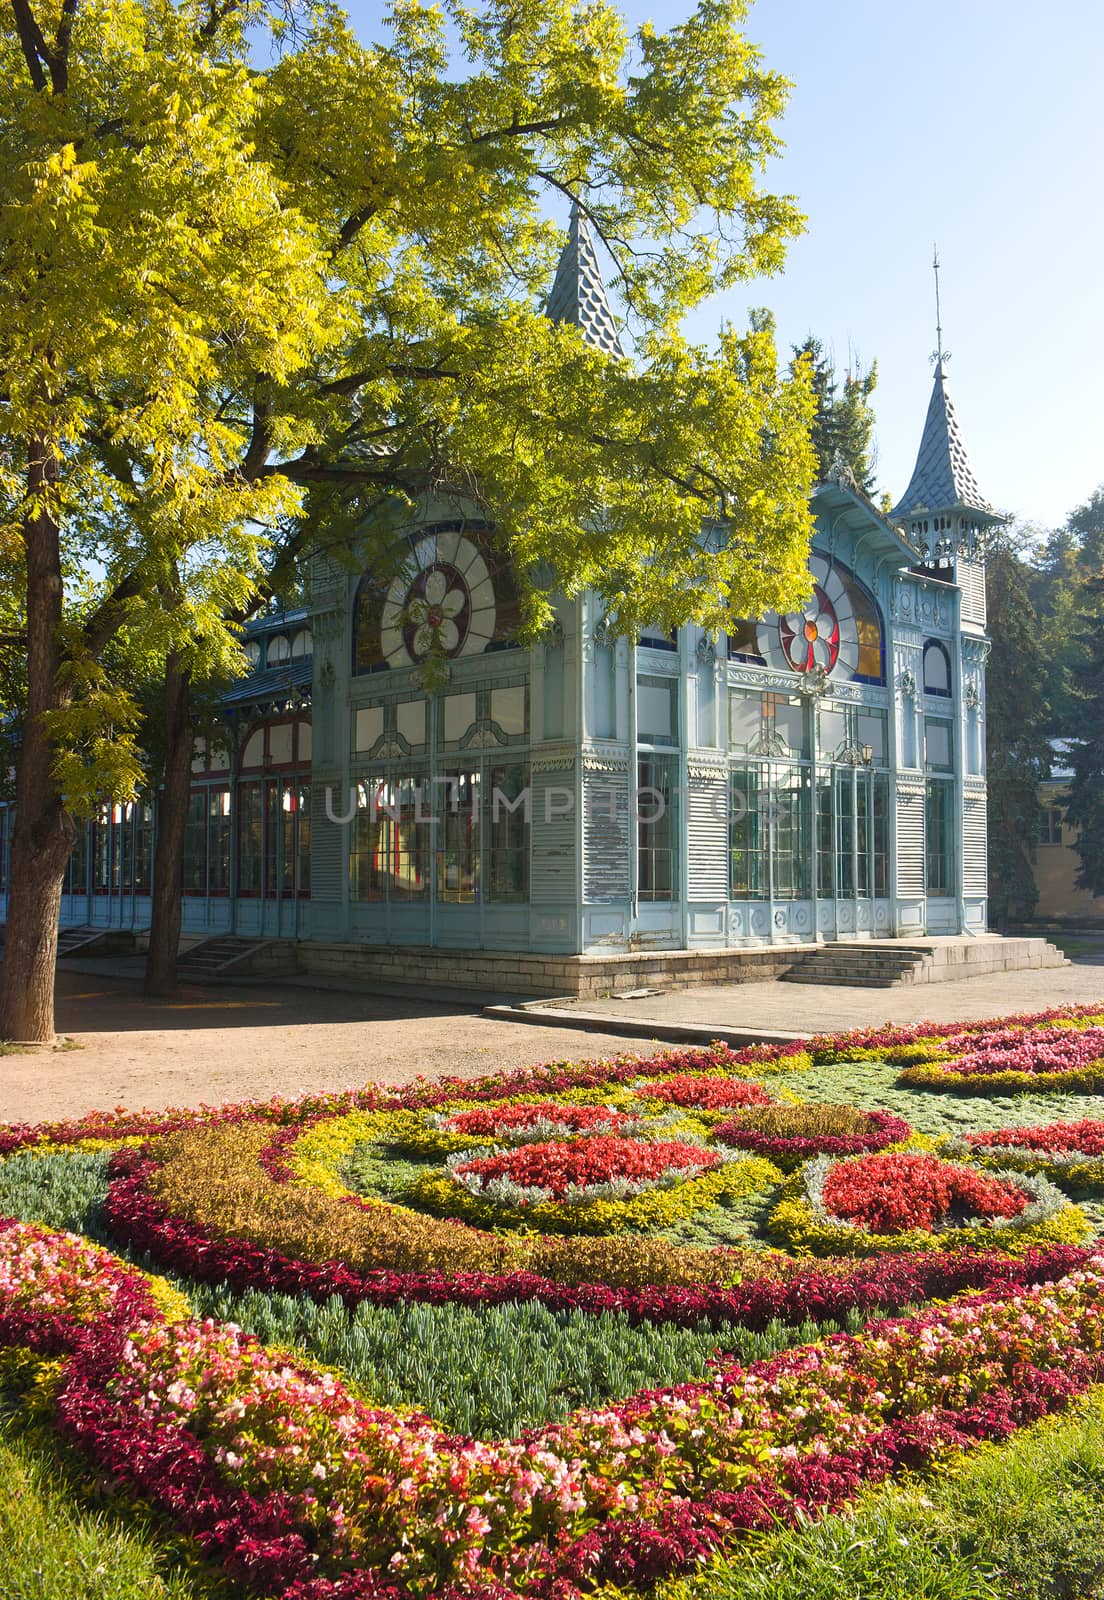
(859, 966)
(227, 956)
(885, 964)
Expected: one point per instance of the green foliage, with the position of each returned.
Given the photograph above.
(1018, 1521)
(1065, 561)
(62, 1191)
(1085, 807)
(1017, 751)
(494, 1371)
(243, 301)
(843, 423)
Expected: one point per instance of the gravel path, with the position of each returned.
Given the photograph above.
(221, 1044)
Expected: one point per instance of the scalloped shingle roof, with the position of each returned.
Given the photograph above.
(578, 294)
(942, 477)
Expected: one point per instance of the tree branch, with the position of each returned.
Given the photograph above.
(31, 41)
(110, 614)
(59, 61)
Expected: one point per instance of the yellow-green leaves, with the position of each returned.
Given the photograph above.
(253, 295)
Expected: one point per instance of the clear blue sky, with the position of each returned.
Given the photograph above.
(976, 124)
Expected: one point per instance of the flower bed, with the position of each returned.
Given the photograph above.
(789, 1135)
(705, 1093)
(659, 1184)
(918, 1202)
(578, 1171)
(1002, 1060)
(566, 1186)
(1071, 1152)
(768, 1287)
(302, 1489)
(534, 1121)
(924, 1041)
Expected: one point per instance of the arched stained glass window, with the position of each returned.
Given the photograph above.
(838, 631)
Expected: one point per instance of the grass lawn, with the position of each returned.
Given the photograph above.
(1017, 1521)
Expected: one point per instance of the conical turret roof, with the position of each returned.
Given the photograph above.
(578, 293)
(942, 479)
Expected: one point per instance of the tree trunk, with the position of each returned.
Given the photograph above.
(172, 817)
(43, 833)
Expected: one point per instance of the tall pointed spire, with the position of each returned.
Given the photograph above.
(578, 293)
(942, 479)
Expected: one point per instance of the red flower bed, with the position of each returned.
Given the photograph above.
(489, 1120)
(561, 1165)
(705, 1093)
(1085, 1137)
(552, 1079)
(891, 1194)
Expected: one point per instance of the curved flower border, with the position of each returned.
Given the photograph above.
(886, 1130)
(298, 1487)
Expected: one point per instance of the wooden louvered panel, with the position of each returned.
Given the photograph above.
(707, 829)
(975, 878)
(552, 878)
(971, 580)
(325, 571)
(910, 844)
(606, 836)
(327, 843)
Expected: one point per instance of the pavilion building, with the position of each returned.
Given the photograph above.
(812, 777)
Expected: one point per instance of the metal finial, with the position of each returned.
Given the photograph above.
(938, 355)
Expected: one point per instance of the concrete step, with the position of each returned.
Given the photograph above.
(844, 980)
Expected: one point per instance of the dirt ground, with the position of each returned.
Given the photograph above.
(219, 1044)
(224, 1043)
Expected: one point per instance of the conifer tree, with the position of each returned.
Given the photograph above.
(1085, 805)
(843, 425)
(1017, 750)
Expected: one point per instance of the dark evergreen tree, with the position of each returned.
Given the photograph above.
(844, 422)
(1065, 562)
(1085, 806)
(1017, 748)
(1086, 524)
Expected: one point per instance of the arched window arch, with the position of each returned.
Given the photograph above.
(453, 594)
(937, 669)
(838, 631)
